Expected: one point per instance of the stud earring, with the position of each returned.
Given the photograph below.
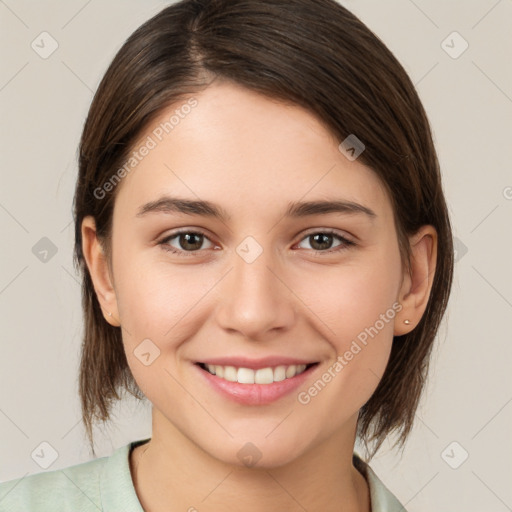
(109, 313)
(407, 322)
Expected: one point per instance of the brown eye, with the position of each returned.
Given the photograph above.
(190, 241)
(322, 241)
(184, 241)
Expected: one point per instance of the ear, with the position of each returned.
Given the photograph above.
(416, 285)
(98, 268)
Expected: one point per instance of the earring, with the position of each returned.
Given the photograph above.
(109, 313)
(407, 322)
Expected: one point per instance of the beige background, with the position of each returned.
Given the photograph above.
(469, 101)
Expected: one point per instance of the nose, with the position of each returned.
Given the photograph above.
(255, 300)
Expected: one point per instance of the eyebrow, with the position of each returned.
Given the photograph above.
(297, 209)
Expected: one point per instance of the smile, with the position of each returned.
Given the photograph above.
(267, 375)
(255, 382)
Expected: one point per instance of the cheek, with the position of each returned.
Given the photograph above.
(155, 308)
(161, 303)
(153, 295)
(357, 305)
(351, 297)
(361, 318)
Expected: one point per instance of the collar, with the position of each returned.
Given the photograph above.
(381, 498)
(118, 492)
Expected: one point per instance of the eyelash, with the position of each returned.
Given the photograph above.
(345, 242)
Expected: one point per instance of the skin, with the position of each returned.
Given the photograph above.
(252, 155)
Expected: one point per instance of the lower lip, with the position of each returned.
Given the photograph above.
(255, 394)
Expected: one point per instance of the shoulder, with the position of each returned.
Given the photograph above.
(382, 499)
(86, 487)
(56, 490)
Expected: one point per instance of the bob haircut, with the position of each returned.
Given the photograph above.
(310, 53)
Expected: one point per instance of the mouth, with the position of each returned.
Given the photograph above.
(255, 383)
(266, 375)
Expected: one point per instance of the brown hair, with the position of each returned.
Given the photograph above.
(312, 53)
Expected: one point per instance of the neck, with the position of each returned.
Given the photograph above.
(175, 474)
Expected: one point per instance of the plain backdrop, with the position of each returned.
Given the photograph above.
(459, 454)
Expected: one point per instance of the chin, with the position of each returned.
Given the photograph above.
(256, 452)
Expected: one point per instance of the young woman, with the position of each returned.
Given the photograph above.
(266, 255)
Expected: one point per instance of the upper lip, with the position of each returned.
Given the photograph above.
(255, 364)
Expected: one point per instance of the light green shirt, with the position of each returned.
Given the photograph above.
(105, 484)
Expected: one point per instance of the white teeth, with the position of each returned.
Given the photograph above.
(291, 371)
(245, 376)
(279, 373)
(230, 373)
(262, 376)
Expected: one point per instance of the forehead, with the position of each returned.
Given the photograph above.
(245, 151)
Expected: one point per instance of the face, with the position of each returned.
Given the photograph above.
(256, 287)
